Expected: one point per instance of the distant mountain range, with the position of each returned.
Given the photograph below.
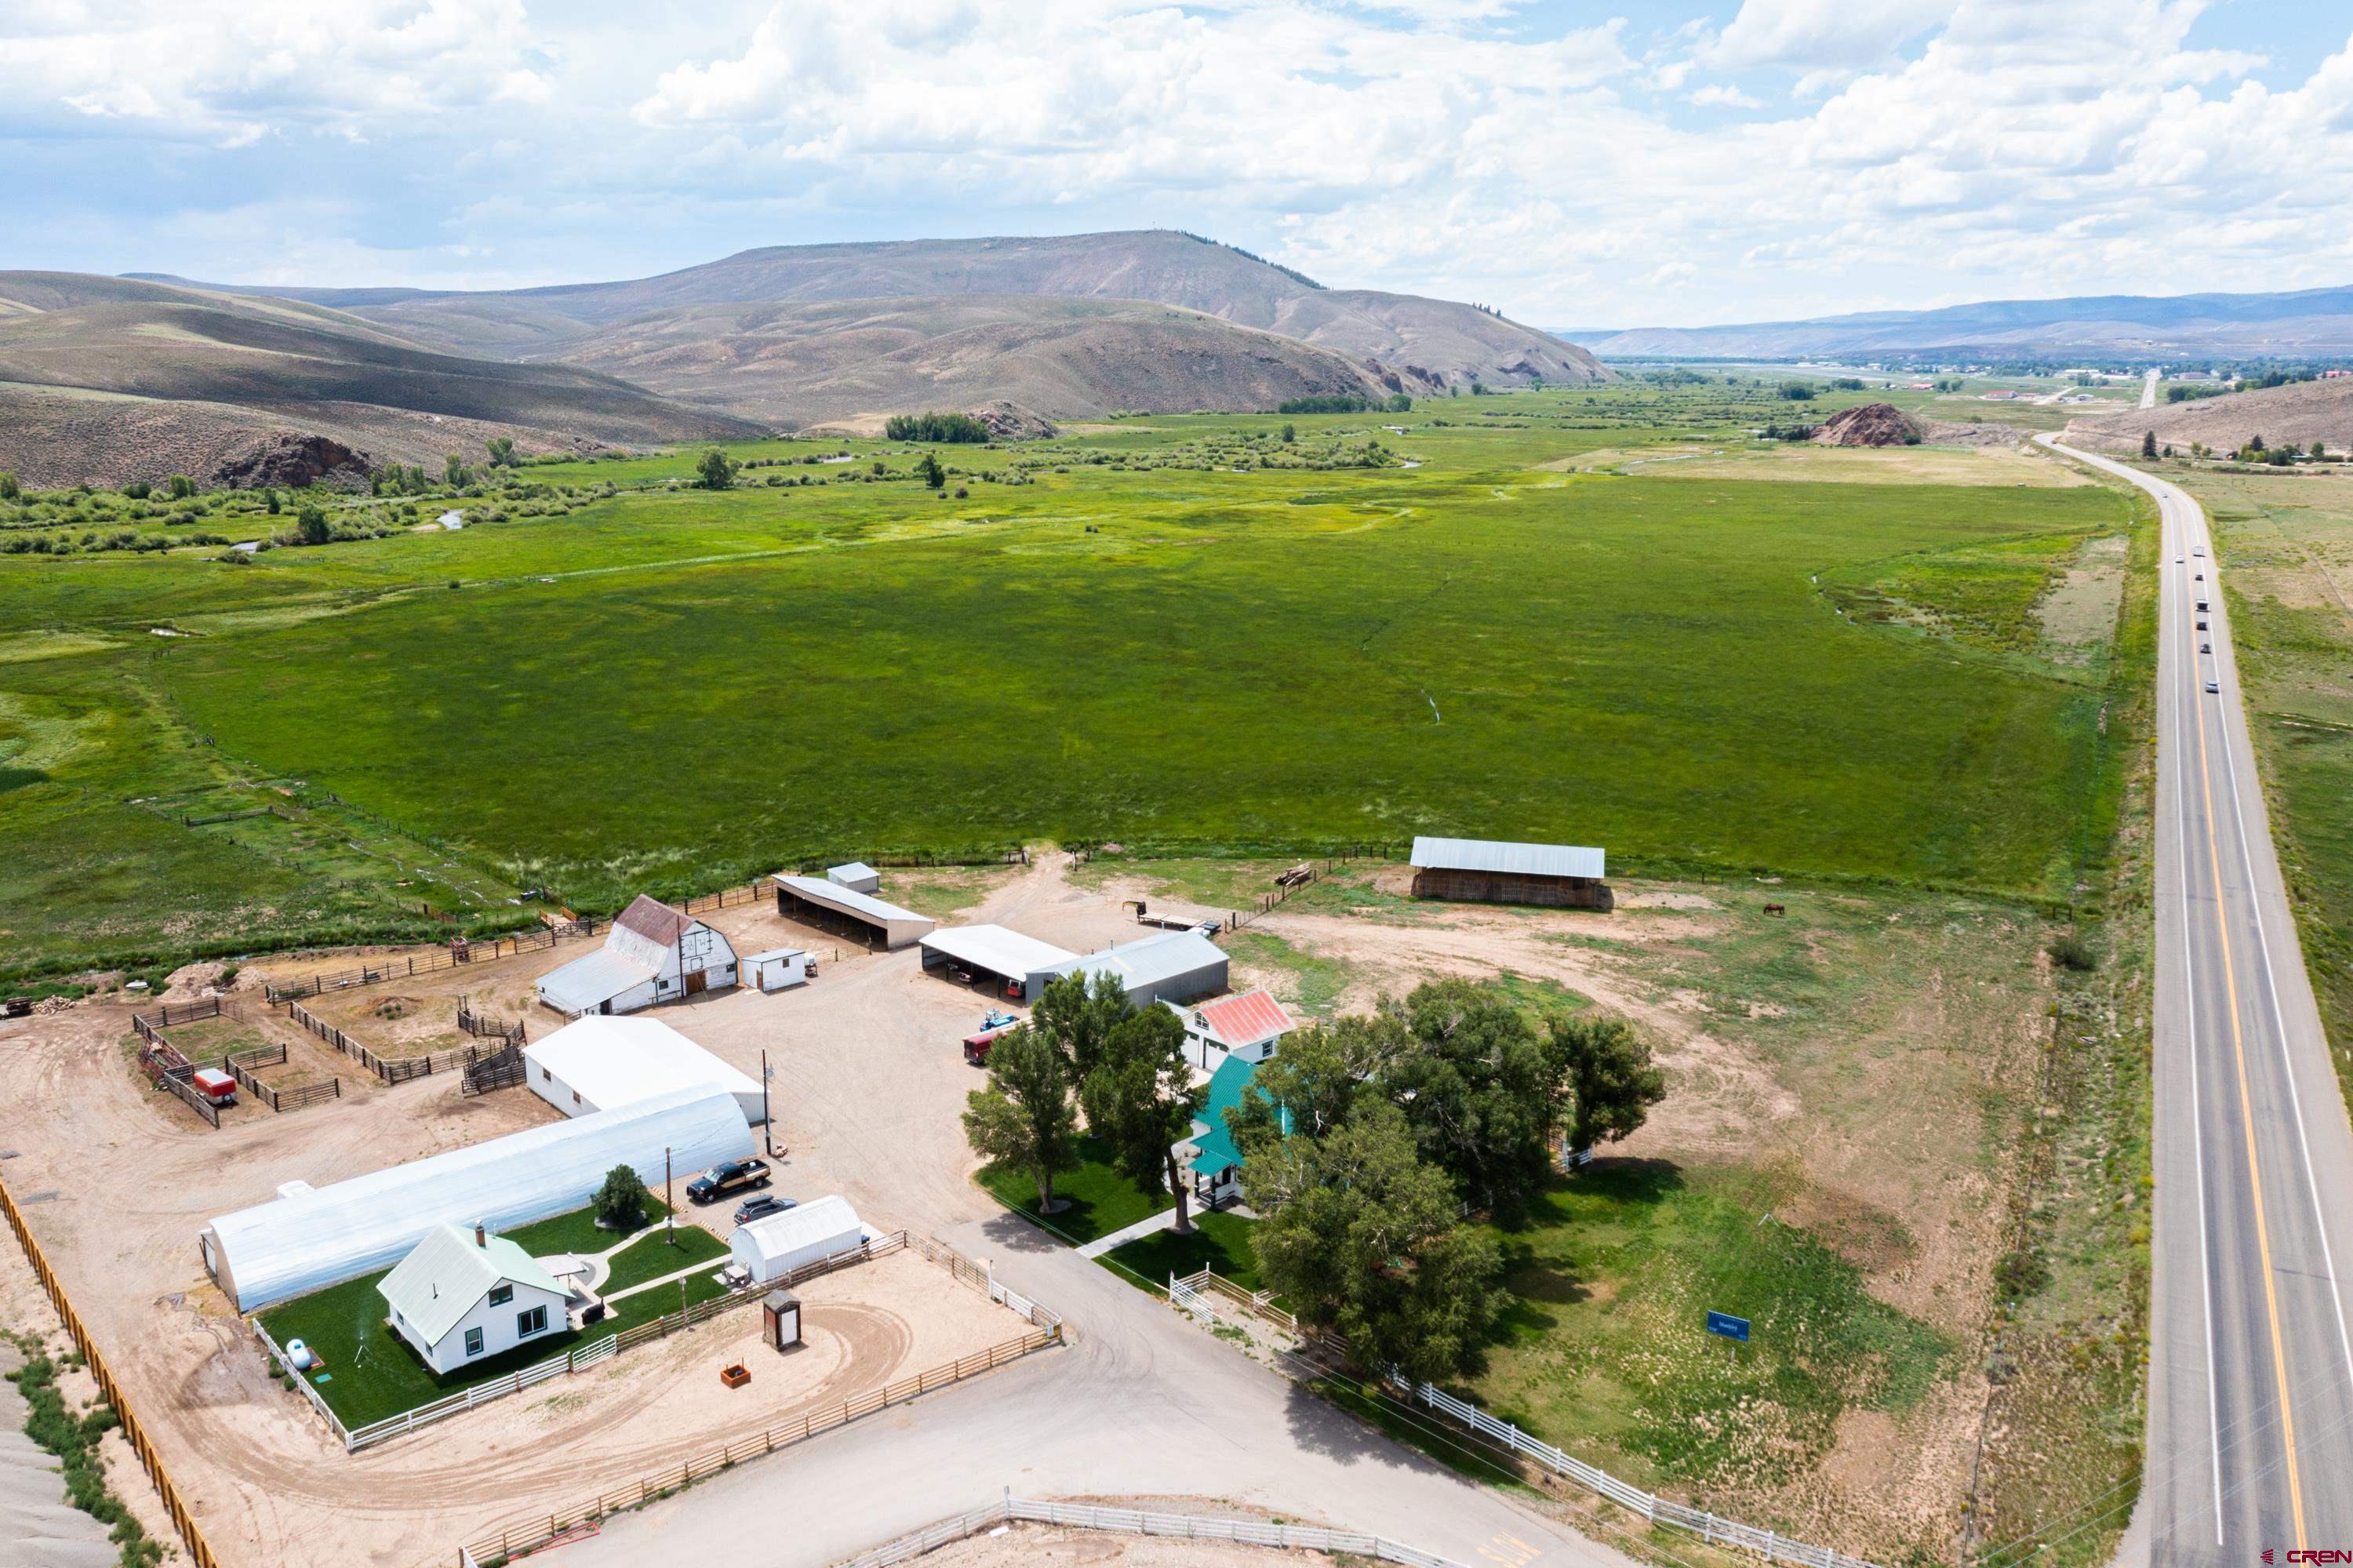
(2312, 322)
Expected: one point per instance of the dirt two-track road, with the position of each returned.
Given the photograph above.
(2250, 1375)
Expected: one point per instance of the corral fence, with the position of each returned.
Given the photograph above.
(1306, 873)
(172, 1068)
(200, 1552)
(458, 952)
(538, 1530)
(1134, 1522)
(387, 1069)
(501, 1069)
(483, 1027)
(725, 898)
(1207, 1293)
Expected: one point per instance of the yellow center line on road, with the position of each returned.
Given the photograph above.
(2247, 1116)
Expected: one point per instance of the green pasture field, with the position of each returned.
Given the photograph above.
(1113, 637)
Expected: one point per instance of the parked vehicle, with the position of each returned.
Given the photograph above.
(728, 1176)
(992, 1024)
(761, 1207)
(217, 1086)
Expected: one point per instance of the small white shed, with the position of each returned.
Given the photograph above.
(858, 876)
(779, 968)
(773, 1247)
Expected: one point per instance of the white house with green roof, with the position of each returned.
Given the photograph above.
(460, 1296)
(1210, 1155)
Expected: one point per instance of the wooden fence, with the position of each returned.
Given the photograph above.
(486, 1028)
(109, 1389)
(501, 1069)
(387, 1069)
(172, 1068)
(502, 1544)
(458, 952)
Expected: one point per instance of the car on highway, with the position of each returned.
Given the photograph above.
(2197, 549)
(2178, 559)
(2215, 686)
(2205, 648)
(2202, 626)
(761, 1207)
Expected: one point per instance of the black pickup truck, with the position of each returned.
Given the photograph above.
(729, 1176)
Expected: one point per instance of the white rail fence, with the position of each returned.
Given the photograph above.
(1133, 1522)
(1714, 1528)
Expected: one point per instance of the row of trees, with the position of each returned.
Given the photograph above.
(1344, 403)
(1366, 1141)
(936, 427)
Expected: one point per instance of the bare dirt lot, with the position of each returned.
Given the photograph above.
(1018, 1545)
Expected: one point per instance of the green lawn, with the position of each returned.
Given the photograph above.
(372, 1374)
(1475, 646)
(658, 1253)
(575, 1232)
(1603, 1349)
(1219, 1241)
(1100, 1200)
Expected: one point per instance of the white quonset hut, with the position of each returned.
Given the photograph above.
(773, 1247)
(595, 1064)
(1005, 962)
(460, 1296)
(1176, 966)
(280, 1249)
(653, 953)
(845, 911)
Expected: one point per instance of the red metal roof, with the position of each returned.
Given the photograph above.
(654, 920)
(1245, 1020)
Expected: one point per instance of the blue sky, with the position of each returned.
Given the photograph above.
(1572, 162)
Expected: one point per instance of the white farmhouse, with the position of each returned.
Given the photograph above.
(463, 1296)
(653, 953)
(1249, 1026)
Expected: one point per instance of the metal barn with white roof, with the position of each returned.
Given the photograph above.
(288, 1247)
(596, 1063)
(1174, 965)
(845, 911)
(778, 1244)
(1007, 963)
(1493, 870)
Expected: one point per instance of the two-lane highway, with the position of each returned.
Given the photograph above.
(2251, 1377)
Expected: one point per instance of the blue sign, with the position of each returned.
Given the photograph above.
(1730, 1326)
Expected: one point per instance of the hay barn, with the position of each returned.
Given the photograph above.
(1492, 871)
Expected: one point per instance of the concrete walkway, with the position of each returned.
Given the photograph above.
(1101, 1244)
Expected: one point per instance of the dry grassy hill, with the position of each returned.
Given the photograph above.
(111, 379)
(1422, 342)
(807, 363)
(2301, 412)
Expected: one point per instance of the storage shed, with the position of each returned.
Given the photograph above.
(653, 953)
(856, 875)
(595, 1064)
(829, 907)
(772, 1247)
(283, 1249)
(1174, 965)
(1003, 962)
(778, 968)
(1492, 871)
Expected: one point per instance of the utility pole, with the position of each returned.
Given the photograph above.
(767, 1114)
(670, 1210)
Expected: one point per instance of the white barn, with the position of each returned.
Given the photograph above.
(772, 1247)
(596, 1064)
(288, 1247)
(461, 1296)
(653, 953)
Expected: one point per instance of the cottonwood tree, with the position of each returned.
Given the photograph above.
(1612, 1084)
(715, 471)
(1363, 1239)
(621, 1201)
(1024, 1119)
(1483, 1096)
(928, 469)
(1140, 1101)
(311, 526)
(503, 453)
(1077, 1015)
(2149, 443)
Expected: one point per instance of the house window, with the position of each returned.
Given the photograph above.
(501, 1294)
(531, 1322)
(473, 1342)
(575, 1097)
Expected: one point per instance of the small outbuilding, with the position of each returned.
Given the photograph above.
(846, 912)
(463, 1295)
(856, 875)
(1003, 962)
(1248, 1026)
(653, 953)
(778, 968)
(1493, 871)
(1174, 965)
(770, 1248)
(596, 1063)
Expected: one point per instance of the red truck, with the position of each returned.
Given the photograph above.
(976, 1046)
